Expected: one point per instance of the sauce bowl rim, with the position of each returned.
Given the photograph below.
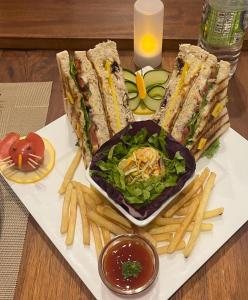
(116, 240)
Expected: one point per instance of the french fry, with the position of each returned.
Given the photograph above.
(182, 211)
(105, 235)
(104, 201)
(147, 235)
(72, 219)
(213, 213)
(97, 238)
(185, 210)
(70, 171)
(91, 193)
(167, 236)
(164, 249)
(126, 229)
(166, 221)
(199, 214)
(189, 186)
(110, 213)
(66, 209)
(174, 227)
(197, 185)
(89, 202)
(84, 217)
(182, 194)
(178, 236)
(101, 221)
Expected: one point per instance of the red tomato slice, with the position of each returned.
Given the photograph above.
(6, 143)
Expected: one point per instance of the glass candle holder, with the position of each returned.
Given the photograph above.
(148, 32)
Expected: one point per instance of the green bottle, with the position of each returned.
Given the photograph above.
(223, 28)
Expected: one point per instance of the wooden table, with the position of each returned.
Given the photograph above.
(50, 24)
(44, 274)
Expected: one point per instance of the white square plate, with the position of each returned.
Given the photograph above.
(231, 190)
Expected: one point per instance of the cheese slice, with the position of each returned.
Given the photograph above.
(78, 130)
(69, 97)
(202, 143)
(114, 95)
(172, 102)
(217, 109)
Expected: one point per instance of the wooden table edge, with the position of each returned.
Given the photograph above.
(70, 43)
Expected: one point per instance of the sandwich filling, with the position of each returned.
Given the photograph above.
(110, 68)
(88, 126)
(196, 99)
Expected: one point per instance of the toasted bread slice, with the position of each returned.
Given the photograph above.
(72, 104)
(106, 62)
(88, 83)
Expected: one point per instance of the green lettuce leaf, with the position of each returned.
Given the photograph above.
(212, 149)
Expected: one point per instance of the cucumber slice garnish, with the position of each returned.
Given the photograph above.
(134, 102)
(132, 95)
(151, 103)
(129, 75)
(156, 77)
(131, 87)
(143, 110)
(157, 92)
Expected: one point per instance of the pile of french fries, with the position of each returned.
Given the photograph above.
(176, 228)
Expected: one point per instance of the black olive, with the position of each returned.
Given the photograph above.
(179, 63)
(115, 67)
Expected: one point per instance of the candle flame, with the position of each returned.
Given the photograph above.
(148, 43)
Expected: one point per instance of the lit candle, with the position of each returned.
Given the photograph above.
(148, 32)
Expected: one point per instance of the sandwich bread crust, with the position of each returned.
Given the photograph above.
(72, 98)
(88, 82)
(106, 62)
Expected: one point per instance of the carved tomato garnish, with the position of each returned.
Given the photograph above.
(28, 153)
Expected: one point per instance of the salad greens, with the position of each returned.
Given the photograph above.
(140, 191)
(196, 117)
(212, 149)
(87, 124)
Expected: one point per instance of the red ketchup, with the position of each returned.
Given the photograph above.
(128, 251)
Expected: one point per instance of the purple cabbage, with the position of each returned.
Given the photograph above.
(144, 211)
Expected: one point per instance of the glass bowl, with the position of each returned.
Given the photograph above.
(123, 248)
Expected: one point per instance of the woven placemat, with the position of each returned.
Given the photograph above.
(23, 108)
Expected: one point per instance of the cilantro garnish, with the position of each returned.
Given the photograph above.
(131, 269)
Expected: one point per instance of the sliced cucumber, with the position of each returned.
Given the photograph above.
(131, 87)
(156, 77)
(134, 102)
(132, 95)
(152, 103)
(129, 75)
(157, 92)
(143, 110)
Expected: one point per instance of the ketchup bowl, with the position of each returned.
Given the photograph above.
(128, 264)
